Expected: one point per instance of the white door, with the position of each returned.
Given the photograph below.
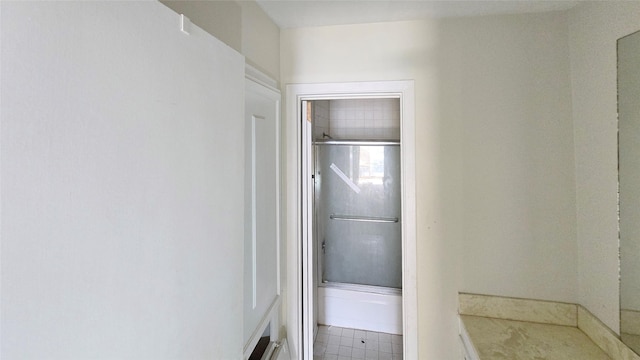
(261, 241)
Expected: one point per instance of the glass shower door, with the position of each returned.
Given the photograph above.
(358, 213)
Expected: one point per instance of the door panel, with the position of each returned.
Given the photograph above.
(261, 242)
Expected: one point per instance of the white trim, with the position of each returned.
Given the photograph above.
(255, 75)
(295, 212)
(308, 300)
(254, 221)
(271, 314)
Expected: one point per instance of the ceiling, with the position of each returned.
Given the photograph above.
(303, 13)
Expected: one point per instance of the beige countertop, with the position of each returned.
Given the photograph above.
(498, 339)
(632, 341)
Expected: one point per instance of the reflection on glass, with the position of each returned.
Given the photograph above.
(371, 165)
(629, 187)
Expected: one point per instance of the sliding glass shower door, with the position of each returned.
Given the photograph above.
(358, 217)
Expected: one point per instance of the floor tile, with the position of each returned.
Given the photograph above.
(346, 341)
(357, 353)
(322, 339)
(371, 345)
(332, 350)
(348, 333)
(337, 343)
(333, 340)
(371, 335)
(382, 337)
(371, 355)
(385, 347)
(359, 343)
(344, 351)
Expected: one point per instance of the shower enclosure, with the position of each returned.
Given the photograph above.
(357, 201)
(357, 218)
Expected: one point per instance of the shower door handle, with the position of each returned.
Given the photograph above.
(378, 219)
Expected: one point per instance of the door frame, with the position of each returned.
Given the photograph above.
(299, 283)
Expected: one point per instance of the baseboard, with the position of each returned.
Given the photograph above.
(603, 336)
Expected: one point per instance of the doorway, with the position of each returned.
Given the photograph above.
(356, 222)
(302, 252)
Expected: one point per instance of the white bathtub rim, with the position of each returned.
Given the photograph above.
(362, 288)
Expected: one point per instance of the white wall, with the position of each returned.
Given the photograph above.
(221, 18)
(241, 24)
(495, 178)
(121, 148)
(594, 29)
(508, 87)
(260, 39)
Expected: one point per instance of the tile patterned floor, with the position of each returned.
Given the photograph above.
(336, 343)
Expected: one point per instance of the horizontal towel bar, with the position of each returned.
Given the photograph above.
(364, 218)
(357, 142)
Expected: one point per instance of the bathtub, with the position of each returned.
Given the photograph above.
(360, 307)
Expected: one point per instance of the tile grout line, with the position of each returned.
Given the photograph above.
(336, 343)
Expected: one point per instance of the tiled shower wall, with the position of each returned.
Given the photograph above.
(320, 111)
(369, 119)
